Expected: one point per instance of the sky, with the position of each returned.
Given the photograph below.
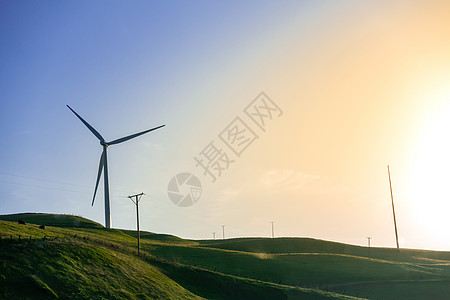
(304, 102)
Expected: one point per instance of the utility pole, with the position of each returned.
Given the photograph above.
(214, 235)
(136, 199)
(368, 240)
(223, 232)
(393, 210)
(273, 235)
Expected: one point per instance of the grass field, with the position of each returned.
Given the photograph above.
(77, 258)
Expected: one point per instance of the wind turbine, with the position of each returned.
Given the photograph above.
(103, 165)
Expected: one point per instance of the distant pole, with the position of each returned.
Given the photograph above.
(368, 240)
(273, 235)
(136, 199)
(223, 231)
(393, 210)
(214, 235)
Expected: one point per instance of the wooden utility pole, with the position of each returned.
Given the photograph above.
(273, 235)
(368, 240)
(223, 231)
(136, 199)
(393, 210)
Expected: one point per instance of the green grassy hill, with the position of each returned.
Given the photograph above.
(77, 258)
(345, 269)
(52, 220)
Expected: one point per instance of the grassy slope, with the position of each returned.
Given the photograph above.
(389, 274)
(308, 245)
(91, 261)
(52, 220)
(76, 267)
(94, 262)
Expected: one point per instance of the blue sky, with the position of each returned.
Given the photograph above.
(359, 85)
(124, 67)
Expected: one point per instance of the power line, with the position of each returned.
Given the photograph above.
(42, 187)
(47, 180)
(41, 179)
(192, 218)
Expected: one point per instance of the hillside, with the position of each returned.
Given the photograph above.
(77, 258)
(52, 220)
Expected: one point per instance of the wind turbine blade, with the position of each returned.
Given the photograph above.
(100, 169)
(132, 136)
(98, 135)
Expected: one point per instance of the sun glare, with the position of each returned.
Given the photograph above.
(429, 188)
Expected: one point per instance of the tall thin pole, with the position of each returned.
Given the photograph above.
(223, 231)
(105, 178)
(368, 241)
(136, 199)
(273, 235)
(138, 231)
(393, 210)
(214, 235)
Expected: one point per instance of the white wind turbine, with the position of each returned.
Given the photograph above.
(103, 166)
